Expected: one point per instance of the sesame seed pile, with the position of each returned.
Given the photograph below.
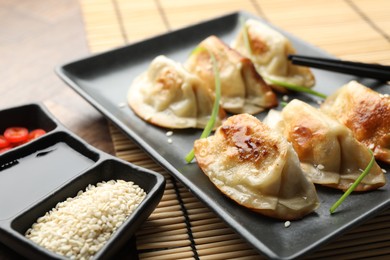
(78, 227)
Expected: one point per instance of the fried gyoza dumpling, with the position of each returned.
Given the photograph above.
(366, 113)
(268, 51)
(169, 96)
(257, 168)
(242, 88)
(328, 151)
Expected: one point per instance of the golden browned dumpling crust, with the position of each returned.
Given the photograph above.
(329, 153)
(243, 90)
(366, 113)
(269, 52)
(257, 168)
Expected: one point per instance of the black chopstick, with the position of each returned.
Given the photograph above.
(375, 71)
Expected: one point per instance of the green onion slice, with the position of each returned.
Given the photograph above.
(296, 88)
(213, 118)
(283, 104)
(354, 185)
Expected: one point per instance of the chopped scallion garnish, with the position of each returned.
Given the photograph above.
(354, 185)
(296, 88)
(214, 114)
(283, 103)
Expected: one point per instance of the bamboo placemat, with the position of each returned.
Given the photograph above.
(182, 227)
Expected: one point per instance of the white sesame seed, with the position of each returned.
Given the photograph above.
(169, 140)
(169, 133)
(122, 105)
(285, 98)
(287, 224)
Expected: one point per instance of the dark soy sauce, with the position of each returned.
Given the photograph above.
(26, 180)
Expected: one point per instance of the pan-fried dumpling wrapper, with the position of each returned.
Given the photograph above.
(328, 152)
(366, 113)
(257, 168)
(269, 52)
(169, 96)
(242, 89)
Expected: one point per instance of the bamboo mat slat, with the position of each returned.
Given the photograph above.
(182, 13)
(335, 26)
(376, 11)
(181, 227)
(145, 13)
(102, 26)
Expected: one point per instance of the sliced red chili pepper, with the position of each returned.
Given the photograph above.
(36, 133)
(3, 142)
(16, 134)
(2, 150)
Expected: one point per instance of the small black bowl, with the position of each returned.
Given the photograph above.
(31, 116)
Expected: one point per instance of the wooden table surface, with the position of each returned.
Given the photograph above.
(36, 36)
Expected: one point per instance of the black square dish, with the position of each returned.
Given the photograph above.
(104, 80)
(48, 170)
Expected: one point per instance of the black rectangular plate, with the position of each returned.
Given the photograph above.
(104, 79)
